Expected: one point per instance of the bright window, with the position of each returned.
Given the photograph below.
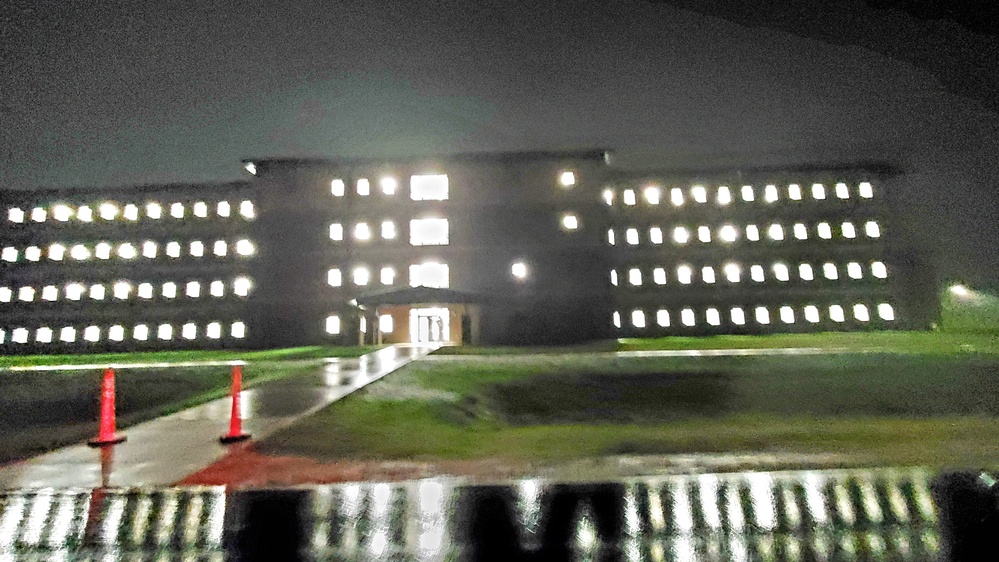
(173, 249)
(56, 252)
(34, 253)
(15, 215)
(794, 192)
(9, 254)
(67, 334)
(738, 316)
(363, 187)
(223, 209)
(567, 178)
(200, 209)
(387, 276)
(428, 188)
(338, 188)
(787, 315)
(121, 290)
(140, 332)
(241, 286)
(818, 191)
(708, 274)
(699, 194)
(19, 335)
(388, 230)
(116, 333)
(638, 318)
(628, 196)
(428, 232)
(842, 191)
(385, 324)
(244, 247)
(613, 277)
(216, 289)
(635, 276)
(879, 270)
(770, 193)
(164, 332)
(246, 210)
(728, 233)
(861, 313)
(85, 214)
(848, 230)
(50, 293)
(752, 233)
(631, 236)
(781, 272)
(800, 231)
(26, 294)
(687, 317)
(63, 213)
(724, 195)
(854, 270)
(145, 291)
(676, 196)
(805, 272)
(361, 275)
(886, 312)
(681, 235)
(872, 230)
(362, 231)
(608, 196)
(762, 315)
(656, 235)
(519, 270)
(712, 316)
(616, 319)
(812, 313)
(127, 251)
(6, 294)
(193, 289)
(148, 249)
(733, 272)
(197, 248)
(747, 193)
(429, 274)
(169, 290)
(825, 232)
(610, 236)
(684, 274)
(177, 210)
(775, 232)
(653, 195)
(97, 292)
(336, 231)
(74, 291)
(662, 317)
(219, 248)
(659, 276)
(153, 210)
(92, 333)
(704, 234)
(865, 190)
(213, 330)
(756, 273)
(238, 330)
(829, 271)
(388, 185)
(570, 221)
(189, 331)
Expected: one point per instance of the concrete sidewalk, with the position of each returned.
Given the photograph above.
(164, 450)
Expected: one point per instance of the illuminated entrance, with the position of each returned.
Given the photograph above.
(429, 325)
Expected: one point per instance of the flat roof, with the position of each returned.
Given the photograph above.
(597, 155)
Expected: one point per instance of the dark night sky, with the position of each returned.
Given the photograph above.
(99, 93)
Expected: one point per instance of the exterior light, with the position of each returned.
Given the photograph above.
(250, 167)
(519, 270)
(333, 325)
(388, 185)
(570, 221)
(567, 178)
(960, 291)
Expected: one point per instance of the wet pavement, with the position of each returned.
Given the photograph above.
(164, 450)
(842, 515)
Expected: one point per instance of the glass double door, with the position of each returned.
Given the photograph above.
(429, 325)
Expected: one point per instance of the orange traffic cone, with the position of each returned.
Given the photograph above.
(106, 433)
(235, 421)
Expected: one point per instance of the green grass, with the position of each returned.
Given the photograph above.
(900, 342)
(308, 352)
(873, 408)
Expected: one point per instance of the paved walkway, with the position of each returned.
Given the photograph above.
(164, 450)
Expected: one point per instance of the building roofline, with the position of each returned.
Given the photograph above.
(124, 190)
(880, 168)
(598, 154)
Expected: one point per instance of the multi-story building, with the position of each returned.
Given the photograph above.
(545, 247)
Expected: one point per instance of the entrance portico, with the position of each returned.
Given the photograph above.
(420, 315)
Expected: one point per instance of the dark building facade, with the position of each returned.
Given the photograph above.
(532, 247)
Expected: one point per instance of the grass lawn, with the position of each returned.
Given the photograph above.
(874, 408)
(309, 352)
(899, 342)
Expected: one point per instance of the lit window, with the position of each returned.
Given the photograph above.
(26, 294)
(662, 317)
(770, 193)
(43, 335)
(103, 251)
(9, 254)
(97, 292)
(238, 330)
(712, 316)
(74, 291)
(213, 330)
(732, 272)
(92, 333)
(860, 312)
(818, 191)
(362, 231)
(762, 315)
(361, 276)
(781, 272)
(805, 272)
(842, 191)
(164, 332)
(219, 248)
(699, 194)
(775, 232)
(38, 214)
(825, 231)
(854, 270)
(246, 210)
(241, 286)
(149, 249)
(610, 236)
(613, 277)
(704, 234)
(388, 230)
(85, 214)
(62, 213)
(724, 195)
(608, 196)
(32, 253)
(216, 289)
(385, 324)
(145, 291)
(787, 315)
(879, 270)
(388, 185)
(223, 209)
(681, 235)
(333, 325)
(189, 331)
(116, 333)
(800, 231)
(140, 332)
(638, 318)
(19, 335)
(250, 167)
(67, 334)
(177, 210)
(848, 230)
(428, 232)
(829, 271)
(173, 249)
(872, 230)
(676, 196)
(127, 251)
(387, 276)
(567, 178)
(616, 319)
(244, 247)
(428, 188)
(121, 290)
(756, 273)
(659, 276)
(865, 190)
(79, 252)
(728, 233)
(752, 233)
(519, 270)
(738, 316)
(6, 294)
(169, 290)
(794, 192)
(631, 236)
(635, 276)
(153, 210)
(15, 215)
(628, 196)
(334, 277)
(656, 235)
(653, 195)
(429, 274)
(200, 209)
(886, 312)
(50, 293)
(197, 248)
(131, 212)
(747, 193)
(363, 187)
(708, 274)
(684, 274)
(812, 313)
(336, 231)
(687, 317)
(338, 188)
(56, 252)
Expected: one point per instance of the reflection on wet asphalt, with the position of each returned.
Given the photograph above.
(883, 514)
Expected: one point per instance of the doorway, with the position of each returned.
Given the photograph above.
(429, 325)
